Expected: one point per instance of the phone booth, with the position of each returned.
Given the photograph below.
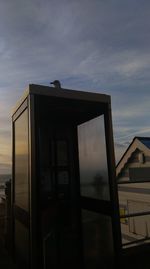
(64, 194)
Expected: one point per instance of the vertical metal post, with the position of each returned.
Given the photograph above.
(32, 183)
(12, 192)
(112, 182)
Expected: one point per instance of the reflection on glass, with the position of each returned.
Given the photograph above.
(98, 240)
(21, 161)
(93, 159)
(134, 203)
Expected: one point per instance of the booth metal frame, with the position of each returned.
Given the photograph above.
(97, 102)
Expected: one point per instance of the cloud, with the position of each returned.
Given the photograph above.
(66, 39)
(134, 108)
(89, 45)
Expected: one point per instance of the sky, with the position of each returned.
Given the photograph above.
(99, 46)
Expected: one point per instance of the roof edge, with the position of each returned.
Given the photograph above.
(20, 101)
(126, 151)
(62, 93)
(69, 93)
(129, 153)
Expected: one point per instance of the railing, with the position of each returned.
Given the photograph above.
(134, 203)
(136, 238)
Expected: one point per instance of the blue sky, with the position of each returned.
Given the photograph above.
(99, 46)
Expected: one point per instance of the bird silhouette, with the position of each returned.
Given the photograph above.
(56, 84)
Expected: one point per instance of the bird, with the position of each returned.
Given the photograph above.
(56, 84)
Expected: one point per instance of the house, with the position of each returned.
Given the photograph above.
(133, 178)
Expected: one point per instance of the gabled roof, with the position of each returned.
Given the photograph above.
(141, 143)
(144, 140)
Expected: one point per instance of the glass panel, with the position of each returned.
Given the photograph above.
(22, 242)
(98, 240)
(93, 159)
(134, 203)
(62, 154)
(21, 161)
(60, 231)
(60, 223)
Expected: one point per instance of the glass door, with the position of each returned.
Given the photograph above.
(95, 195)
(60, 212)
